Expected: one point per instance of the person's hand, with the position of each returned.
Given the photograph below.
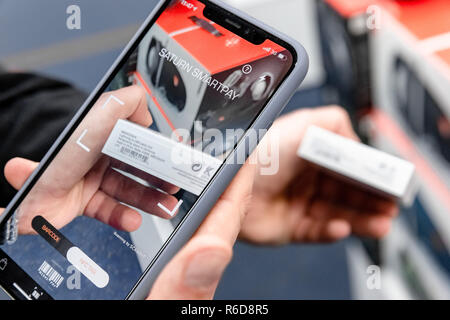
(80, 181)
(196, 269)
(302, 203)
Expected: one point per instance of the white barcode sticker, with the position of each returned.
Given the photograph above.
(134, 154)
(164, 158)
(51, 275)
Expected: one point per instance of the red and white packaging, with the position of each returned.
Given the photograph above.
(202, 50)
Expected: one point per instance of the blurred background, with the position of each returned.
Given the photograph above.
(387, 62)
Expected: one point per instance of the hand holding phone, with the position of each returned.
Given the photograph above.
(196, 269)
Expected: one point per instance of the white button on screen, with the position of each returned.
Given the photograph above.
(88, 267)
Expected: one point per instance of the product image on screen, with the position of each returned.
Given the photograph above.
(141, 156)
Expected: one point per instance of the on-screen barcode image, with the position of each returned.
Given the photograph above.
(50, 274)
(134, 154)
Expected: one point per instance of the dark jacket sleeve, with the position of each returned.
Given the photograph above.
(33, 112)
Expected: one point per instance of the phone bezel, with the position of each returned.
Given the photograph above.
(222, 178)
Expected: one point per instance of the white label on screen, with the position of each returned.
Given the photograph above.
(88, 267)
(164, 158)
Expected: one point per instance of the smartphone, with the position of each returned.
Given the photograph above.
(145, 158)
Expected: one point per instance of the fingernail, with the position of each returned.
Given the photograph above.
(339, 229)
(205, 269)
(379, 227)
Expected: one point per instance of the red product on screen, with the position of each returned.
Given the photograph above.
(195, 69)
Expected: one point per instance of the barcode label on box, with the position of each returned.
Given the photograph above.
(51, 275)
(135, 155)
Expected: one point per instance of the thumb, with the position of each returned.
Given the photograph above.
(196, 269)
(195, 272)
(18, 170)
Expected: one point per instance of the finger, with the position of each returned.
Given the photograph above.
(316, 225)
(231, 208)
(137, 195)
(291, 129)
(18, 170)
(152, 180)
(385, 207)
(83, 149)
(109, 211)
(317, 231)
(351, 195)
(334, 119)
(328, 187)
(196, 270)
(293, 126)
(362, 223)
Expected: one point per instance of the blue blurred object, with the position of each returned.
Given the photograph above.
(289, 272)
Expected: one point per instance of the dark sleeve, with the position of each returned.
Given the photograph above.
(33, 112)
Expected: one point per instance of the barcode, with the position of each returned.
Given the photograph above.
(134, 154)
(50, 274)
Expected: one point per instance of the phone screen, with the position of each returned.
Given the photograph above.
(137, 162)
